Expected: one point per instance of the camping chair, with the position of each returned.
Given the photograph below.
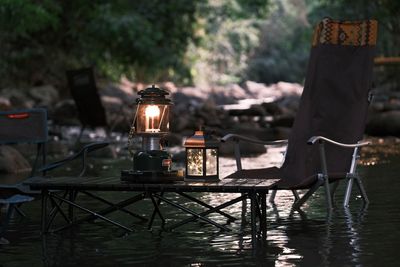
(29, 126)
(324, 143)
(13, 129)
(83, 89)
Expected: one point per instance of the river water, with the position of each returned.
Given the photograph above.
(351, 237)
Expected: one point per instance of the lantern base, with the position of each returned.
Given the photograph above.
(150, 177)
(153, 161)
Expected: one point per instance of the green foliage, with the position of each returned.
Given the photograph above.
(146, 40)
(22, 23)
(228, 33)
(286, 38)
(284, 47)
(203, 41)
(26, 17)
(386, 12)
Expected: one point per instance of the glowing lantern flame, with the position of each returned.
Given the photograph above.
(152, 111)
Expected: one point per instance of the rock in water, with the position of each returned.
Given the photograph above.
(45, 95)
(11, 161)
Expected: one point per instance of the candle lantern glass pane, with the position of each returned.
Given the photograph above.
(195, 162)
(211, 162)
(152, 118)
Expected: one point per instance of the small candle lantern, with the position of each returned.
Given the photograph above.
(201, 158)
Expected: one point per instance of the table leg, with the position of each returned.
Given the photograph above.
(156, 211)
(44, 210)
(229, 217)
(94, 214)
(70, 207)
(263, 219)
(253, 220)
(205, 213)
(196, 215)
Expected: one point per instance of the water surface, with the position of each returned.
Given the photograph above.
(352, 237)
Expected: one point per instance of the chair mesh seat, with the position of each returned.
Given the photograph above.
(15, 199)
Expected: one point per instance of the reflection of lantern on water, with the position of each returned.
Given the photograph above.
(201, 158)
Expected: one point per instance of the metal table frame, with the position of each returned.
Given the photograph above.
(58, 191)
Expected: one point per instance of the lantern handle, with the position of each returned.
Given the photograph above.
(132, 131)
(134, 117)
(162, 117)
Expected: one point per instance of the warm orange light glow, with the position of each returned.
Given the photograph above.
(152, 111)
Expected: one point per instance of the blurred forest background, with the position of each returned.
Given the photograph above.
(202, 43)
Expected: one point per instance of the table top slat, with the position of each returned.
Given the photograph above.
(115, 184)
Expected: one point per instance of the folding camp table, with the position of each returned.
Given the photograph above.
(253, 189)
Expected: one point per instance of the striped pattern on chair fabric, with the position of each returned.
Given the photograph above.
(353, 33)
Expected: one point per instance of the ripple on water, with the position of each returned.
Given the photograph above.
(353, 237)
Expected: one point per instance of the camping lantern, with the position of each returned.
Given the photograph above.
(152, 124)
(201, 158)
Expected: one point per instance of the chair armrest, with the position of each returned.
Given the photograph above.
(314, 139)
(236, 137)
(81, 153)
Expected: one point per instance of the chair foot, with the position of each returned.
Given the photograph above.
(362, 190)
(349, 188)
(297, 204)
(348, 192)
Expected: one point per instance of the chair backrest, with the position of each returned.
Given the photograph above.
(25, 126)
(335, 98)
(83, 89)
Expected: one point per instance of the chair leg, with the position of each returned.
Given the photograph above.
(334, 186)
(19, 211)
(9, 208)
(78, 140)
(328, 193)
(348, 192)
(244, 205)
(10, 212)
(306, 196)
(272, 196)
(362, 190)
(296, 195)
(3, 224)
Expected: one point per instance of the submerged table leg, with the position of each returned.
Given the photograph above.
(44, 211)
(196, 215)
(114, 206)
(253, 219)
(263, 219)
(204, 213)
(92, 214)
(230, 218)
(156, 211)
(70, 207)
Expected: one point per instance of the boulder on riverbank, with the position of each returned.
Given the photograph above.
(243, 109)
(11, 161)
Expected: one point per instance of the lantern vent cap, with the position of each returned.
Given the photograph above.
(201, 140)
(153, 96)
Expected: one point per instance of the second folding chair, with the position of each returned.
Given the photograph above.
(324, 143)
